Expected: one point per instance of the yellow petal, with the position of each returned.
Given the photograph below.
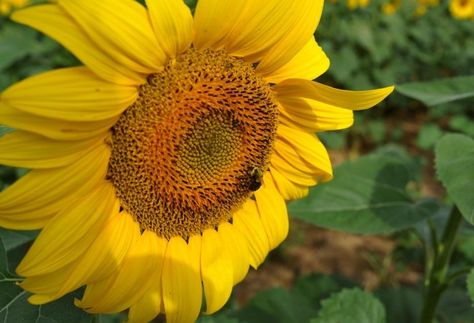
(305, 151)
(182, 290)
(121, 29)
(149, 306)
(288, 169)
(74, 94)
(288, 189)
(70, 233)
(353, 100)
(312, 115)
(53, 21)
(173, 25)
(252, 29)
(216, 269)
(272, 210)
(51, 128)
(48, 284)
(130, 283)
(309, 63)
(212, 13)
(35, 198)
(40, 299)
(24, 149)
(301, 22)
(274, 30)
(238, 250)
(105, 255)
(247, 221)
(100, 261)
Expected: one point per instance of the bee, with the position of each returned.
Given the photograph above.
(256, 175)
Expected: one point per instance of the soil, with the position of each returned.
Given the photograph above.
(366, 260)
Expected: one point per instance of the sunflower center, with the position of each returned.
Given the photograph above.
(185, 155)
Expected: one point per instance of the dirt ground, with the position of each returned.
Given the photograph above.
(364, 259)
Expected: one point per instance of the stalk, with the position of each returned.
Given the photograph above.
(437, 274)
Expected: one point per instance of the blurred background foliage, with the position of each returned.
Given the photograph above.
(337, 247)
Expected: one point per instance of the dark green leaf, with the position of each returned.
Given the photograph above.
(277, 305)
(455, 306)
(351, 305)
(4, 272)
(402, 304)
(466, 247)
(440, 91)
(470, 285)
(366, 196)
(14, 307)
(455, 169)
(13, 239)
(299, 304)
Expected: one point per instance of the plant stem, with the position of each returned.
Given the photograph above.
(437, 283)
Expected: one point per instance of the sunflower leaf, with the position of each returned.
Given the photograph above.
(3, 261)
(439, 91)
(455, 169)
(351, 305)
(14, 307)
(368, 196)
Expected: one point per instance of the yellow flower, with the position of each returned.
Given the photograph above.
(161, 167)
(462, 9)
(354, 4)
(7, 5)
(421, 10)
(391, 7)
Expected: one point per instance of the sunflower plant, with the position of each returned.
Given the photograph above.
(157, 170)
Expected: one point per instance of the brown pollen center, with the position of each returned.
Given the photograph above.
(184, 154)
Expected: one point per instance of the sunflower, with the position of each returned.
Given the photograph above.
(391, 7)
(354, 4)
(8, 5)
(160, 168)
(462, 9)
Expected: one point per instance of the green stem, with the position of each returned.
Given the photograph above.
(437, 282)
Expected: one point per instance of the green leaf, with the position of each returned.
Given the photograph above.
(15, 43)
(455, 169)
(402, 304)
(13, 239)
(366, 196)
(351, 305)
(333, 140)
(299, 304)
(277, 305)
(470, 285)
(428, 136)
(14, 306)
(4, 273)
(455, 306)
(439, 91)
(463, 124)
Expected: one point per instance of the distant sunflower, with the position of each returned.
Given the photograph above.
(161, 167)
(354, 4)
(462, 9)
(8, 5)
(391, 7)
